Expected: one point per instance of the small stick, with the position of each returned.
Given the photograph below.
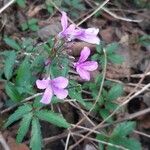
(3, 142)
(23, 101)
(94, 12)
(7, 5)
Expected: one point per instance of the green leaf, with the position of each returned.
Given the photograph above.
(36, 138)
(116, 59)
(9, 64)
(111, 48)
(12, 43)
(32, 21)
(105, 113)
(65, 66)
(110, 105)
(131, 144)
(24, 26)
(125, 142)
(34, 27)
(12, 92)
(102, 137)
(74, 94)
(19, 113)
(21, 3)
(53, 118)
(24, 127)
(115, 92)
(145, 40)
(23, 74)
(123, 129)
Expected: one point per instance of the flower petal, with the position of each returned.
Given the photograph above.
(64, 20)
(92, 31)
(84, 54)
(47, 96)
(83, 73)
(93, 39)
(42, 84)
(60, 93)
(60, 82)
(89, 65)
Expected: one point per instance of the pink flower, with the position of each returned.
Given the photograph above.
(84, 67)
(71, 32)
(53, 87)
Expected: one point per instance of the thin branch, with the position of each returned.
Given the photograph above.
(94, 12)
(67, 141)
(3, 142)
(23, 101)
(119, 17)
(7, 5)
(141, 133)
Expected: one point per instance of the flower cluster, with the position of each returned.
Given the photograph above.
(57, 86)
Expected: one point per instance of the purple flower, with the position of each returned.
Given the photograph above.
(67, 31)
(71, 32)
(88, 35)
(53, 87)
(84, 67)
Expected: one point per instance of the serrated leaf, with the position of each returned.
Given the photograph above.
(53, 118)
(23, 74)
(24, 127)
(105, 113)
(110, 105)
(12, 43)
(34, 27)
(21, 3)
(102, 137)
(19, 113)
(36, 138)
(32, 21)
(24, 26)
(73, 94)
(12, 92)
(129, 143)
(116, 59)
(115, 92)
(145, 40)
(123, 129)
(110, 48)
(9, 64)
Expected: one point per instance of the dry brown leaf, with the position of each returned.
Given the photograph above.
(14, 146)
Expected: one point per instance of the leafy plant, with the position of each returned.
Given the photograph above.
(31, 24)
(111, 53)
(144, 40)
(32, 116)
(119, 137)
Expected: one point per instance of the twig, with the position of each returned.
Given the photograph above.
(7, 5)
(23, 101)
(3, 142)
(94, 12)
(67, 141)
(139, 75)
(141, 133)
(119, 17)
(113, 14)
